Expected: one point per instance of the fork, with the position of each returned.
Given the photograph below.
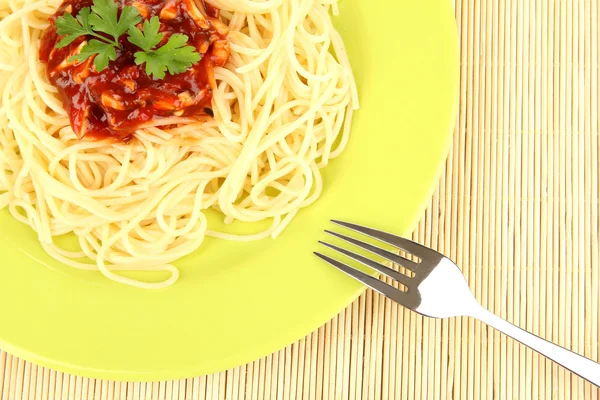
(435, 287)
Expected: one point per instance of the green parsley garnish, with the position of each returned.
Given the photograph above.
(103, 23)
(175, 55)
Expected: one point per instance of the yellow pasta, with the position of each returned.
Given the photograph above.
(283, 107)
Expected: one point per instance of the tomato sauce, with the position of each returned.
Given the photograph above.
(122, 97)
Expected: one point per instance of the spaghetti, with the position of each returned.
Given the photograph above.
(282, 109)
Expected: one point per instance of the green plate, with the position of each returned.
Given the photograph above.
(236, 302)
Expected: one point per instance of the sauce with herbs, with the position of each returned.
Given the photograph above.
(122, 97)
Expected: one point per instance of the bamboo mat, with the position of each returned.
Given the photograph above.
(517, 209)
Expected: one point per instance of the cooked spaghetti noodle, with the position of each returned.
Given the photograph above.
(282, 109)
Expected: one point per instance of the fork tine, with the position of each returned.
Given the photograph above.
(373, 283)
(395, 258)
(370, 263)
(400, 242)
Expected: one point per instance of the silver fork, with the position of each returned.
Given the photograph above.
(437, 288)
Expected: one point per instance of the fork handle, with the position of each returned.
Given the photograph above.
(582, 366)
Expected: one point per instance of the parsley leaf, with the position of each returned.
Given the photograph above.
(181, 57)
(103, 51)
(105, 19)
(72, 28)
(153, 68)
(83, 17)
(147, 39)
(174, 56)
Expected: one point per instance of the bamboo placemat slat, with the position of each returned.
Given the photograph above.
(517, 209)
